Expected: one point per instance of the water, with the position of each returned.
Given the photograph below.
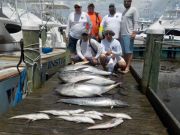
(169, 86)
(169, 90)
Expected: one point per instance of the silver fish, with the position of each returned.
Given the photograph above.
(76, 76)
(78, 119)
(75, 111)
(96, 101)
(86, 68)
(83, 90)
(118, 115)
(32, 117)
(62, 112)
(112, 123)
(94, 112)
(93, 116)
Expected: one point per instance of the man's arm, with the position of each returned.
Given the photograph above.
(101, 27)
(90, 23)
(99, 48)
(78, 50)
(117, 50)
(135, 23)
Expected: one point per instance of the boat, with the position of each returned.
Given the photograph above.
(170, 20)
(11, 22)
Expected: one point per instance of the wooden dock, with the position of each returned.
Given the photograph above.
(144, 119)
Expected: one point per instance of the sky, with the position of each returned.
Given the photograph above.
(146, 8)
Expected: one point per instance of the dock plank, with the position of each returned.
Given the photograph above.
(144, 122)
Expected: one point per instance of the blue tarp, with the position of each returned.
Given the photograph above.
(19, 91)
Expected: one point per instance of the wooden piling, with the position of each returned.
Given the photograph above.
(43, 35)
(152, 57)
(32, 56)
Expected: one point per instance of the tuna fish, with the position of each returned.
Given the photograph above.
(110, 124)
(86, 68)
(118, 115)
(83, 90)
(76, 76)
(78, 119)
(96, 101)
(32, 117)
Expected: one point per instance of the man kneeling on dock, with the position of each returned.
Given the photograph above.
(111, 53)
(87, 49)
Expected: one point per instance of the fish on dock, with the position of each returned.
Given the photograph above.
(76, 76)
(118, 115)
(109, 124)
(96, 101)
(78, 119)
(92, 116)
(94, 112)
(86, 68)
(74, 111)
(62, 112)
(83, 90)
(32, 117)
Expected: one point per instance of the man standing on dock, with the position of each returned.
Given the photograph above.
(78, 22)
(129, 27)
(96, 21)
(111, 21)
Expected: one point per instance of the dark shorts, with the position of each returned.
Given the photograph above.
(76, 58)
(127, 44)
(72, 44)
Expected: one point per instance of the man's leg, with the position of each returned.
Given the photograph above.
(127, 45)
(103, 60)
(72, 45)
(75, 59)
(122, 64)
(128, 58)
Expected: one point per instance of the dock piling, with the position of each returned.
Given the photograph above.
(32, 56)
(152, 57)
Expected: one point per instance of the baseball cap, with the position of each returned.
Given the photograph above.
(109, 31)
(111, 5)
(77, 4)
(91, 5)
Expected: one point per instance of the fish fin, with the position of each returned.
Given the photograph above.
(100, 95)
(80, 69)
(112, 107)
(82, 81)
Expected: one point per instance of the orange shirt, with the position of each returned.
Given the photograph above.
(96, 20)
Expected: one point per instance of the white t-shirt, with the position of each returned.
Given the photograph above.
(84, 49)
(112, 22)
(78, 23)
(113, 46)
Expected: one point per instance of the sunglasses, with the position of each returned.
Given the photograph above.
(108, 33)
(77, 7)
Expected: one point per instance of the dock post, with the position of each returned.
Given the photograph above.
(32, 55)
(43, 35)
(152, 57)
